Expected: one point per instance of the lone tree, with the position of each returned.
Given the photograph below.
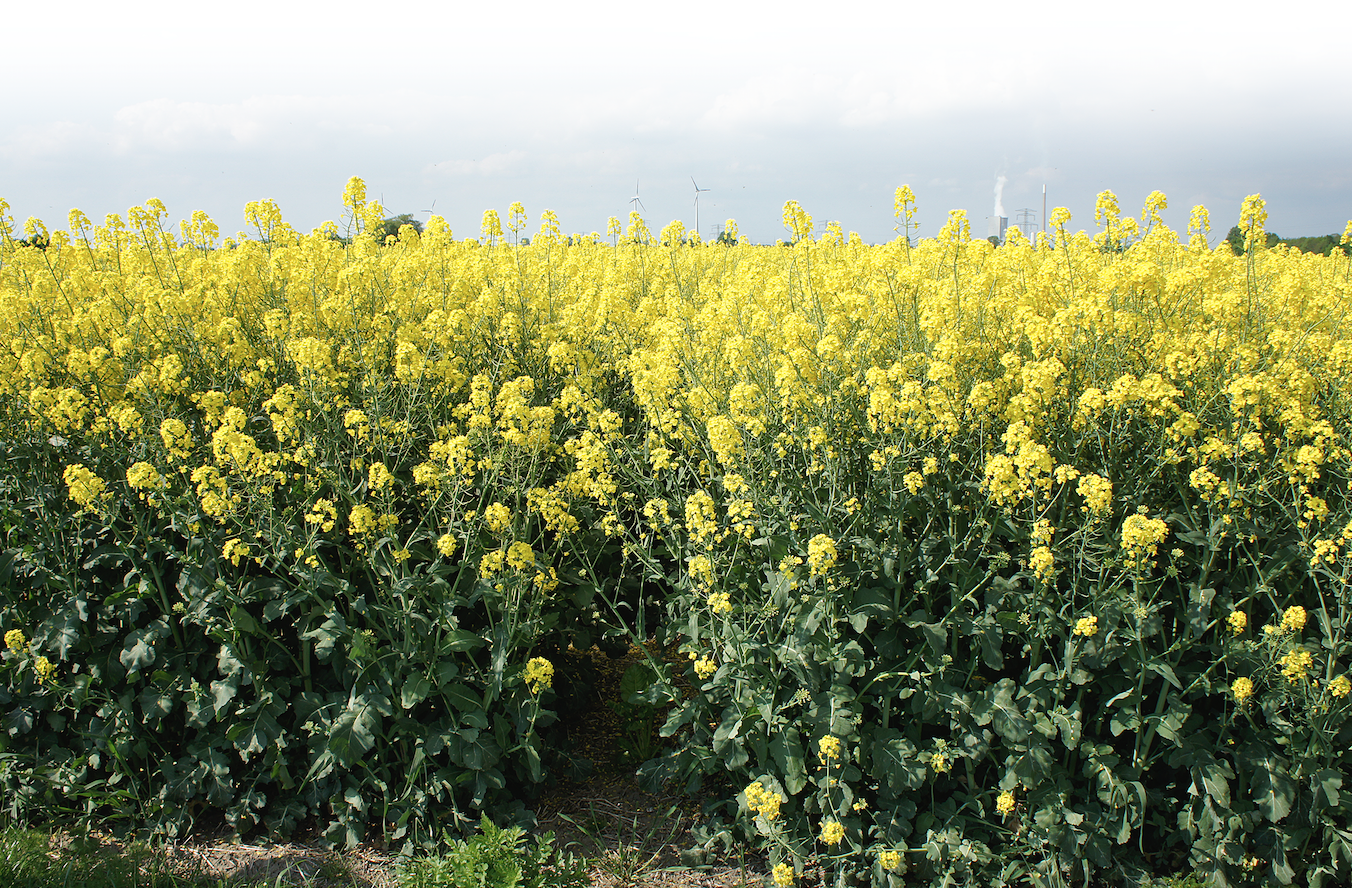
(390, 227)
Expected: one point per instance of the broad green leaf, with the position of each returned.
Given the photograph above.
(1068, 723)
(1166, 671)
(1215, 784)
(244, 622)
(222, 693)
(155, 704)
(353, 733)
(462, 698)
(139, 651)
(415, 690)
(787, 749)
(462, 640)
(254, 734)
(936, 634)
(996, 706)
(18, 721)
(1325, 784)
(1274, 792)
(895, 761)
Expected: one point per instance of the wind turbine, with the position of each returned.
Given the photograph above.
(698, 192)
(431, 209)
(634, 200)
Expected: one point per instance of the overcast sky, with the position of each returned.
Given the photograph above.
(566, 106)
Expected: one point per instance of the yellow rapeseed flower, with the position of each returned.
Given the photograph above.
(1242, 688)
(1296, 664)
(720, 602)
(705, 667)
(1004, 803)
(520, 555)
(85, 488)
(1043, 562)
(821, 554)
(1293, 619)
(829, 747)
(762, 801)
(1237, 621)
(783, 875)
(498, 517)
(1086, 626)
(15, 641)
(44, 669)
(539, 674)
(832, 832)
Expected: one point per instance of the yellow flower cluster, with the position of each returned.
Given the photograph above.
(15, 641)
(705, 667)
(829, 748)
(1097, 493)
(1293, 619)
(1004, 804)
(1237, 621)
(44, 669)
(538, 674)
(1043, 562)
(1086, 626)
(821, 554)
(86, 489)
(782, 874)
(832, 832)
(498, 517)
(762, 801)
(1296, 664)
(1141, 538)
(1242, 688)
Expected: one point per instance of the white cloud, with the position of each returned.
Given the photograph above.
(492, 165)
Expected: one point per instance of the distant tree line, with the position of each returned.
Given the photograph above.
(1323, 244)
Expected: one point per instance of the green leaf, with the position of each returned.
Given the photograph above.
(155, 704)
(462, 698)
(19, 721)
(996, 705)
(636, 680)
(415, 690)
(1165, 670)
(895, 761)
(787, 749)
(222, 693)
(462, 640)
(1215, 782)
(353, 733)
(935, 633)
(533, 762)
(243, 621)
(139, 651)
(254, 736)
(1274, 792)
(1068, 723)
(327, 636)
(1325, 785)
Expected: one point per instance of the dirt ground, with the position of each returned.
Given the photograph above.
(633, 838)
